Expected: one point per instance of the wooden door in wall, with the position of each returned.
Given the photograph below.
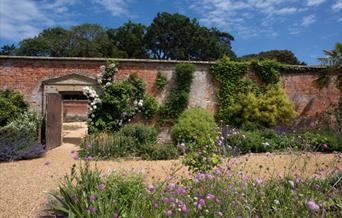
(54, 112)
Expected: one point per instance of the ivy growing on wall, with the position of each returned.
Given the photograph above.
(161, 81)
(118, 102)
(242, 102)
(178, 99)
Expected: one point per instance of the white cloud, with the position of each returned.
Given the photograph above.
(337, 5)
(27, 18)
(115, 7)
(285, 11)
(308, 20)
(314, 2)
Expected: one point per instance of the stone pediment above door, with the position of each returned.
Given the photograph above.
(72, 79)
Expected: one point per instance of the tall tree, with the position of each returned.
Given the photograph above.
(91, 40)
(282, 56)
(50, 42)
(174, 36)
(129, 38)
(8, 50)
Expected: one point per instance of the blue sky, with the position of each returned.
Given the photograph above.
(305, 27)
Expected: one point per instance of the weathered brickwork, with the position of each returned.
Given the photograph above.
(27, 75)
(75, 109)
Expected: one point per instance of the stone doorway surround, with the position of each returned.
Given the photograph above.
(53, 104)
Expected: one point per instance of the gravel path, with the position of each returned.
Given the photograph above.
(24, 185)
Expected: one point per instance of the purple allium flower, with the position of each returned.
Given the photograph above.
(165, 200)
(317, 186)
(92, 209)
(210, 177)
(259, 181)
(155, 205)
(256, 216)
(151, 188)
(72, 151)
(312, 205)
(101, 187)
(47, 163)
(75, 157)
(115, 215)
(92, 197)
(210, 196)
(89, 158)
(325, 146)
(89, 146)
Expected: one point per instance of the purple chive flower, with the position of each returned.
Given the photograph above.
(101, 187)
(92, 197)
(115, 215)
(317, 186)
(75, 157)
(92, 209)
(89, 146)
(47, 163)
(89, 158)
(151, 188)
(312, 205)
(210, 196)
(259, 181)
(72, 151)
(165, 200)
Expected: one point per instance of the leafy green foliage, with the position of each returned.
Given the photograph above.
(12, 104)
(161, 81)
(267, 109)
(8, 49)
(281, 56)
(161, 152)
(267, 71)
(178, 99)
(151, 106)
(242, 102)
(194, 125)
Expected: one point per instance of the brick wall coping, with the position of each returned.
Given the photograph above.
(131, 60)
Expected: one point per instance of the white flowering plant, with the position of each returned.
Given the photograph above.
(118, 102)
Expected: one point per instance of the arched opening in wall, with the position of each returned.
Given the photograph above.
(65, 109)
(75, 115)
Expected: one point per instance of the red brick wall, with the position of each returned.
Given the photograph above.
(75, 109)
(26, 75)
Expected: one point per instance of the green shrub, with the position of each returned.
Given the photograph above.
(178, 99)
(161, 152)
(268, 109)
(161, 81)
(151, 106)
(194, 125)
(12, 104)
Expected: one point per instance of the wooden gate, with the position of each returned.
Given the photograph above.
(54, 112)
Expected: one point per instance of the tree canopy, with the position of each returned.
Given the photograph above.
(282, 56)
(170, 36)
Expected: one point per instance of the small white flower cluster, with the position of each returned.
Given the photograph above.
(138, 105)
(265, 144)
(93, 100)
(105, 77)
